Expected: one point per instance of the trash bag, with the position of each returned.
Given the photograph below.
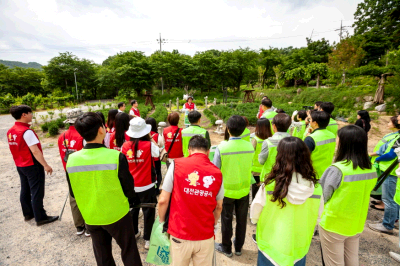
(159, 251)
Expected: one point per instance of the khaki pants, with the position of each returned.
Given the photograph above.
(339, 250)
(201, 252)
(76, 213)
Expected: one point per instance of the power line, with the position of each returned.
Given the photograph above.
(342, 29)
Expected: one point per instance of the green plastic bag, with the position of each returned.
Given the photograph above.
(159, 252)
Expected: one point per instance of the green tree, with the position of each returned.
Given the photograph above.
(269, 58)
(207, 70)
(317, 71)
(238, 66)
(296, 74)
(320, 50)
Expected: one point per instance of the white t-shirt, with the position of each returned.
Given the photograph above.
(30, 138)
(119, 111)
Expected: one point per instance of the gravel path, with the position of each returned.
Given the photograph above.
(23, 243)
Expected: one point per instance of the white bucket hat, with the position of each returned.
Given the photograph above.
(138, 128)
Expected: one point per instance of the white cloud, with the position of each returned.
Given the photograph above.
(94, 29)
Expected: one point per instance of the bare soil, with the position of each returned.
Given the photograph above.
(23, 243)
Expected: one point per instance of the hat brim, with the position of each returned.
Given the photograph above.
(139, 134)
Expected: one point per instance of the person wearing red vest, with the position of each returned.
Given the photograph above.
(193, 191)
(118, 137)
(261, 110)
(134, 110)
(154, 135)
(110, 126)
(31, 166)
(168, 133)
(72, 141)
(140, 152)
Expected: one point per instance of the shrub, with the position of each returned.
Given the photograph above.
(210, 116)
(144, 110)
(60, 123)
(161, 113)
(53, 129)
(45, 127)
(199, 102)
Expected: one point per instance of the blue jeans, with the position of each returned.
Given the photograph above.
(263, 261)
(391, 207)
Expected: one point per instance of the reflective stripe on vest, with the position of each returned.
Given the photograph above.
(346, 211)
(95, 167)
(236, 162)
(93, 175)
(322, 156)
(291, 244)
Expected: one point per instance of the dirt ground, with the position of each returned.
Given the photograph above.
(23, 243)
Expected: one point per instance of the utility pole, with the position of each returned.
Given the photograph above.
(342, 29)
(161, 41)
(311, 34)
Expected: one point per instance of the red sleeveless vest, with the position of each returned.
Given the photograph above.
(136, 112)
(197, 182)
(141, 169)
(189, 106)
(19, 149)
(113, 141)
(176, 151)
(73, 140)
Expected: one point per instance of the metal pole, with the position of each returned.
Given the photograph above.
(76, 87)
(162, 83)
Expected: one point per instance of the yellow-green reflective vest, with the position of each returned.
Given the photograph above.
(257, 167)
(333, 126)
(246, 134)
(346, 211)
(270, 116)
(93, 174)
(300, 134)
(391, 137)
(236, 161)
(285, 234)
(322, 156)
(397, 195)
(187, 134)
(269, 163)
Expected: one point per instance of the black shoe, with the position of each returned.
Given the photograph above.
(48, 220)
(28, 218)
(237, 252)
(254, 238)
(220, 249)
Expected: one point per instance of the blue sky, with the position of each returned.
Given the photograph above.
(33, 30)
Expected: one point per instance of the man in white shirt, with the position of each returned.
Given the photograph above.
(121, 107)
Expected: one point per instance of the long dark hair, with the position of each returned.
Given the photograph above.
(135, 144)
(121, 126)
(353, 147)
(263, 128)
(111, 118)
(151, 121)
(293, 157)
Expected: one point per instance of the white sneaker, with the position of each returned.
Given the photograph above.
(80, 230)
(138, 234)
(147, 244)
(87, 233)
(394, 256)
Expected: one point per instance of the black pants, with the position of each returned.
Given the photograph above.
(159, 175)
(149, 214)
(254, 187)
(122, 232)
(241, 207)
(32, 191)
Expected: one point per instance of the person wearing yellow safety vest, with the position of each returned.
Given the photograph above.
(396, 147)
(193, 130)
(346, 187)
(263, 132)
(387, 156)
(299, 128)
(286, 207)
(321, 142)
(100, 181)
(269, 112)
(246, 133)
(280, 125)
(234, 158)
(333, 125)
